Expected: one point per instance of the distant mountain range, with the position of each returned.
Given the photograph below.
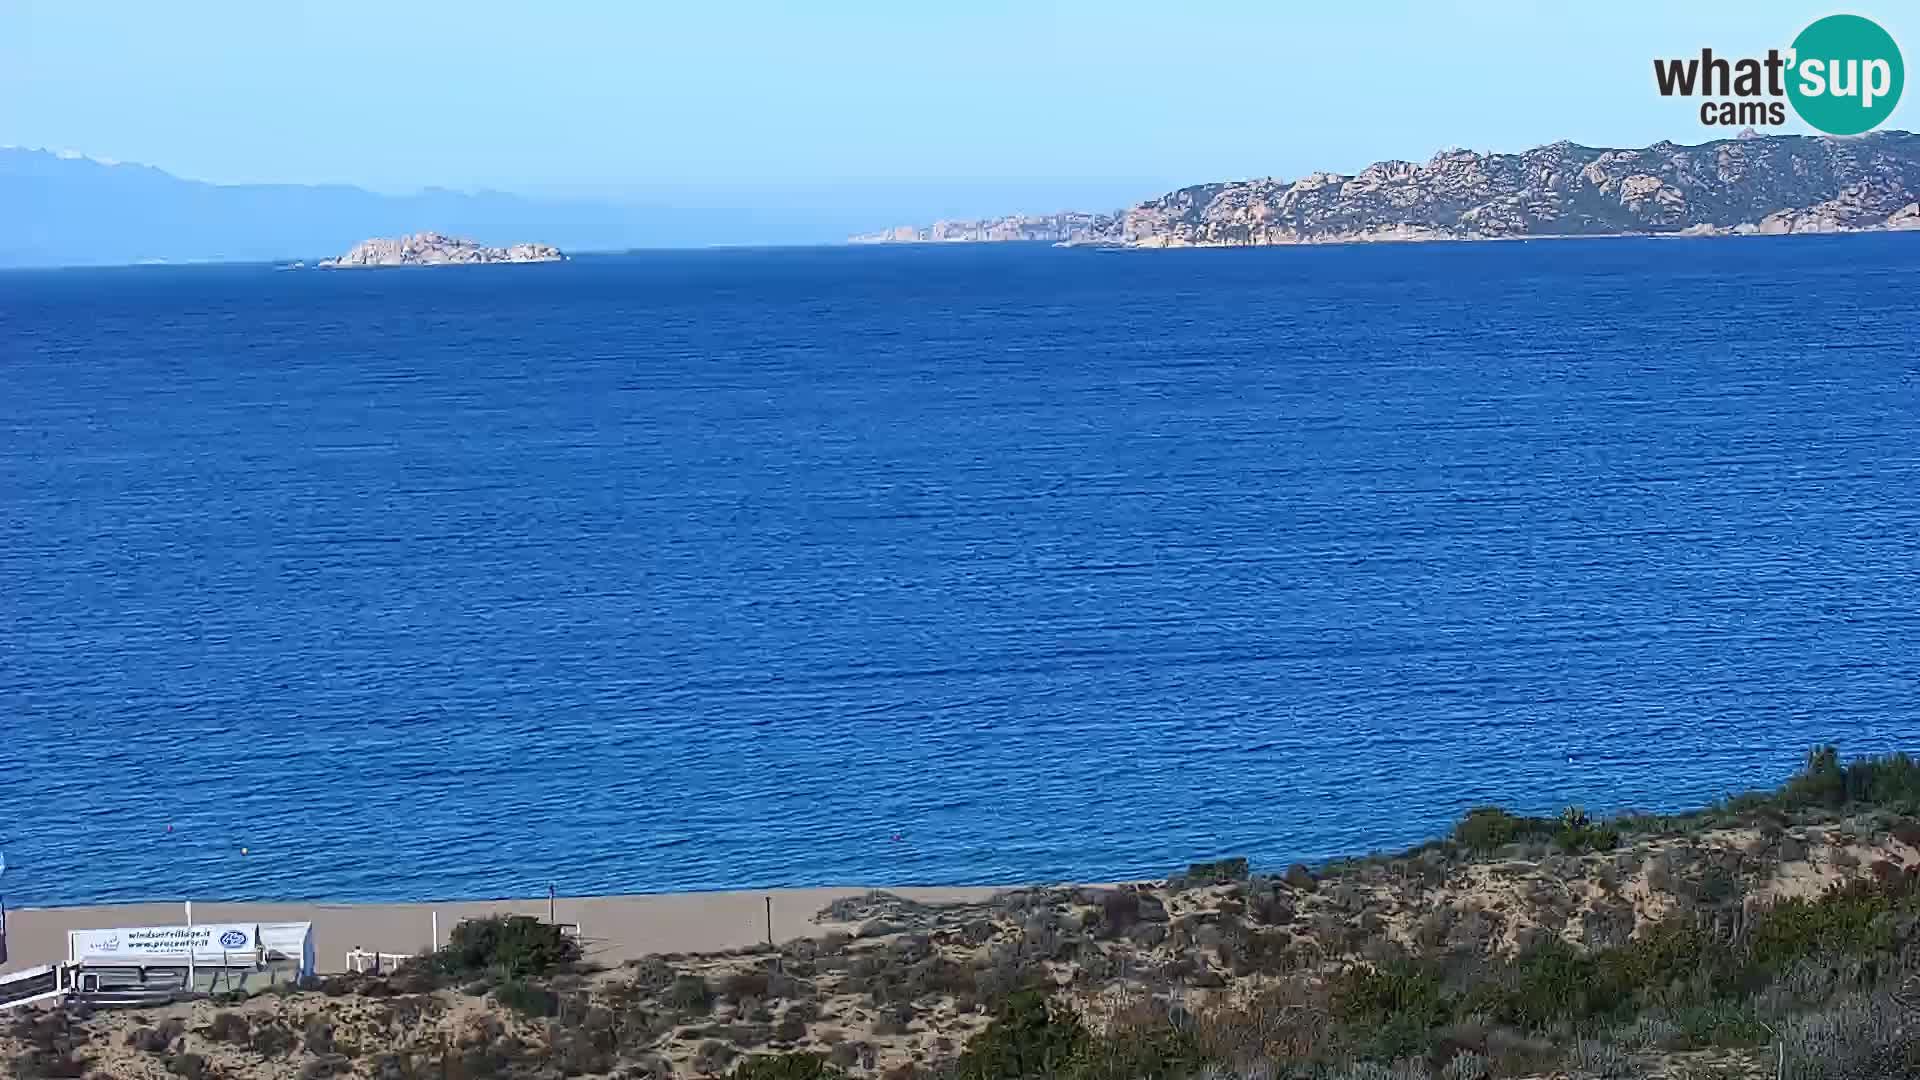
(61, 209)
(1748, 184)
(58, 209)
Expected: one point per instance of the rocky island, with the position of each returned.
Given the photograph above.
(1750, 184)
(433, 249)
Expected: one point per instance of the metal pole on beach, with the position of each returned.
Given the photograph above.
(434, 944)
(550, 894)
(769, 919)
(190, 972)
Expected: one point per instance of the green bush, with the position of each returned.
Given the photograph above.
(1826, 781)
(527, 999)
(690, 993)
(1666, 964)
(274, 1040)
(1720, 1024)
(1030, 1036)
(1851, 919)
(1551, 981)
(1219, 870)
(786, 1067)
(1140, 1052)
(514, 945)
(1578, 840)
(1367, 994)
(1487, 828)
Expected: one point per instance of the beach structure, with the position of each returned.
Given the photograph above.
(142, 965)
(152, 960)
(48, 982)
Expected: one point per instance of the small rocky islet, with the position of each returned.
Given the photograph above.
(435, 249)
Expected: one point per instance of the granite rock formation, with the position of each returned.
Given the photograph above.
(1749, 184)
(433, 249)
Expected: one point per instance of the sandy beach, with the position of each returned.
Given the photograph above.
(613, 928)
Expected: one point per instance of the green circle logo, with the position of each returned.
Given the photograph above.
(1846, 76)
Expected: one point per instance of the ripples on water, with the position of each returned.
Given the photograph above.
(700, 570)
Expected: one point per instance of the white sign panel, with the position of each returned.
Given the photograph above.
(212, 942)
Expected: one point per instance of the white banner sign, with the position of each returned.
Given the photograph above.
(211, 942)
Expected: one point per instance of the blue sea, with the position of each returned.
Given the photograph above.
(932, 565)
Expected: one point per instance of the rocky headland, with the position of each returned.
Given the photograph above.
(1751, 184)
(433, 249)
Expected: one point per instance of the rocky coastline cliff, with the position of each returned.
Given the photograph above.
(433, 249)
(1751, 184)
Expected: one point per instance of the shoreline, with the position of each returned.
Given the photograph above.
(1765, 927)
(613, 929)
(1357, 241)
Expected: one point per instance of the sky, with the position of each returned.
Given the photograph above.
(955, 105)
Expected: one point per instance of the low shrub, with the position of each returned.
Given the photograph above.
(518, 946)
(1030, 1036)
(746, 984)
(274, 1040)
(156, 1039)
(786, 1067)
(712, 1057)
(1851, 919)
(1857, 1036)
(1486, 829)
(690, 994)
(231, 1028)
(1586, 838)
(1593, 1058)
(1217, 872)
(1150, 1050)
(1825, 781)
(318, 1037)
(1364, 995)
(1718, 1024)
(1390, 1012)
(527, 999)
(1467, 1065)
(49, 1065)
(1553, 980)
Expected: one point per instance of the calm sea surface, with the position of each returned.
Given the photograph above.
(977, 564)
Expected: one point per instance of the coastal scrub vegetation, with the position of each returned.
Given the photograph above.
(511, 946)
(1772, 934)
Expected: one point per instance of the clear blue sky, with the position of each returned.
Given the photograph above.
(961, 104)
